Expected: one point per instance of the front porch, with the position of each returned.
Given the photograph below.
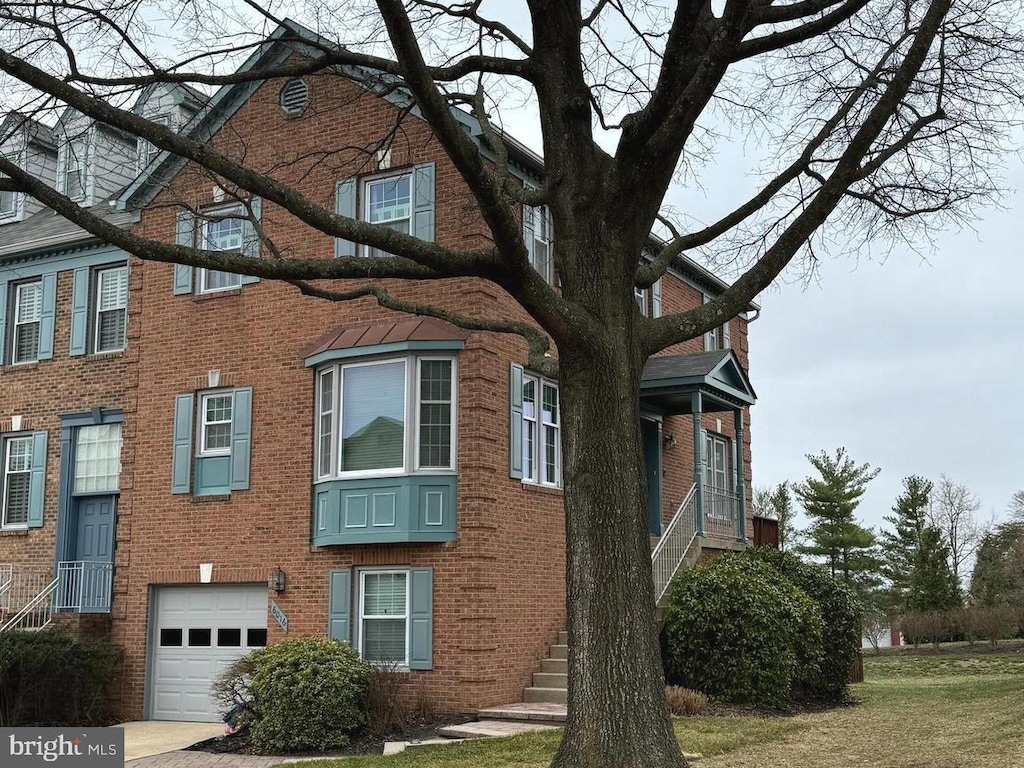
(713, 513)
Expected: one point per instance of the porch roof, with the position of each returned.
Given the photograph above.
(669, 382)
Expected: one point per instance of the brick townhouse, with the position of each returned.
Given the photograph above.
(200, 463)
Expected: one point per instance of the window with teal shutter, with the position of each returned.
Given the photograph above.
(79, 312)
(345, 205)
(220, 461)
(421, 618)
(37, 484)
(46, 315)
(515, 397)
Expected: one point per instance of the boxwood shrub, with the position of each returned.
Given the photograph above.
(737, 630)
(840, 612)
(48, 678)
(307, 695)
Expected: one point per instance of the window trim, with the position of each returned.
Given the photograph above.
(364, 201)
(204, 219)
(536, 214)
(538, 459)
(15, 200)
(202, 451)
(410, 449)
(17, 287)
(360, 599)
(710, 439)
(5, 452)
(95, 315)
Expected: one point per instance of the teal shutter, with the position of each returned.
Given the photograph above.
(251, 238)
(4, 346)
(184, 234)
(339, 600)
(241, 439)
(345, 205)
(515, 422)
(421, 618)
(656, 298)
(80, 312)
(47, 315)
(181, 458)
(37, 481)
(423, 202)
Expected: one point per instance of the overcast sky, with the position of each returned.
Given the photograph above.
(914, 367)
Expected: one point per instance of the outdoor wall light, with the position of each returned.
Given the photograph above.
(668, 440)
(277, 580)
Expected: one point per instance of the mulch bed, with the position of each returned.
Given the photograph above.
(240, 744)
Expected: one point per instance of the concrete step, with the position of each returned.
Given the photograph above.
(534, 712)
(492, 728)
(563, 638)
(545, 695)
(555, 665)
(550, 680)
(559, 652)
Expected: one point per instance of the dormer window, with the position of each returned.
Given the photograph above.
(147, 151)
(75, 153)
(8, 204)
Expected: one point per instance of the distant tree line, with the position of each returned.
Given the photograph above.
(936, 563)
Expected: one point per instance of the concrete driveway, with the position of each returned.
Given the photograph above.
(144, 738)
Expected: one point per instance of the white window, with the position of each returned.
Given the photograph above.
(111, 321)
(538, 235)
(384, 617)
(17, 478)
(388, 201)
(147, 151)
(215, 424)
(384, 417)
(98, 459)
(718, 338)
(28, 311)
(542, 440)
(75, 156)
(8, 201)
(221, 234)
(648, 300)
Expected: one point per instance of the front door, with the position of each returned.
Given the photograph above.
(650, 432)
(87, 579)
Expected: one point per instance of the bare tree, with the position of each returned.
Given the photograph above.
(953, 509)
(881, 117)
(1016, 506)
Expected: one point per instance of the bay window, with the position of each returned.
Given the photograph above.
(385, 417)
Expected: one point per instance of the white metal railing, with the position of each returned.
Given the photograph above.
(675, 544)
(18, 585)
(83, 586)
(6, 578)
(37, 613)
(719, 512)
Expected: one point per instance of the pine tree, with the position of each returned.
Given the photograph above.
(933, 587)
(901, 545)
(782, 506)
(834, 535)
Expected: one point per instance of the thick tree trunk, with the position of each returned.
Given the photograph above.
(618, 716)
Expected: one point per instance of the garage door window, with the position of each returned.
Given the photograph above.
(170, 638)
(229, 638)
(256, 638)
(199, 638)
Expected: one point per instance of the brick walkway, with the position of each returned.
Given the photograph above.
(186, 759)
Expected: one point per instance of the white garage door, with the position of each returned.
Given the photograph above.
(199, 631)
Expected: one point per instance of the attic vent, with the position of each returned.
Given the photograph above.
(294, 96)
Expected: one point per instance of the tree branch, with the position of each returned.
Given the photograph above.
(539, 344)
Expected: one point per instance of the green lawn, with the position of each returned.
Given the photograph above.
(949, 710)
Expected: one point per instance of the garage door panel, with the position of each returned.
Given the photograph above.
(192, 651)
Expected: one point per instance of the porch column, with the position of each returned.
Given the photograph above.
(741, 496)
(698, 469)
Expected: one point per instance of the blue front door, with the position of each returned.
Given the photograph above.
(87, 579)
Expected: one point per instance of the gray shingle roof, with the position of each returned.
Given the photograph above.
(46, 230)
(682, 366)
